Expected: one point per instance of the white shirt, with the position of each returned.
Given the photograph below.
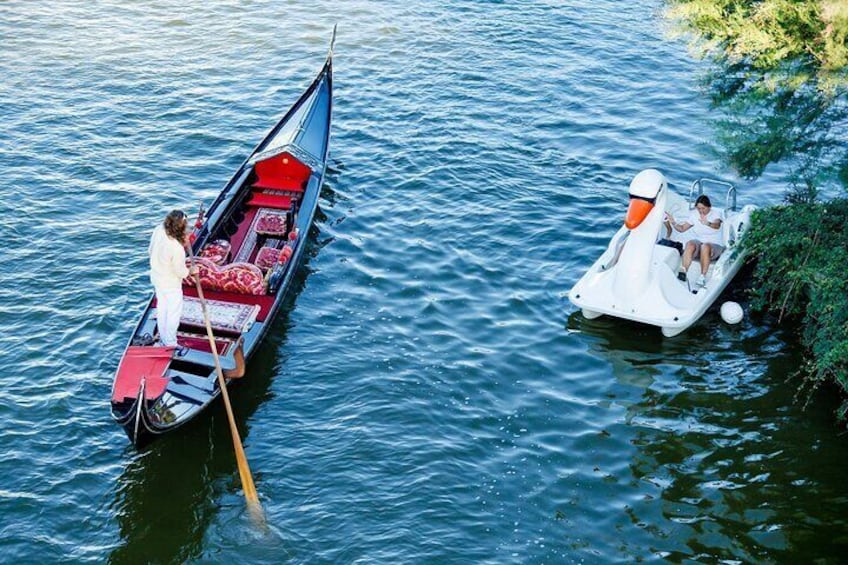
(167, 260)
(703, 232)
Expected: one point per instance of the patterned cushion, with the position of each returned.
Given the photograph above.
(270, 223)
(242, 278)
(267, 258)
(217, 251)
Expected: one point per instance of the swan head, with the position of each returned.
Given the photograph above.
(644, 190)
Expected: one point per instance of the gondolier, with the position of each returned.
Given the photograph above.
(167, 271)
(247, 247)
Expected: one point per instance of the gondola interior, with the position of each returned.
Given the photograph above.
(241, 263)
(247, 249)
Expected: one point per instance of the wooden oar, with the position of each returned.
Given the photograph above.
(253, 505)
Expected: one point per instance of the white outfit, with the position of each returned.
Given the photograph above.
(703, 232)
(167, 271)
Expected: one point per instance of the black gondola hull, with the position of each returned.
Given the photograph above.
(279, 183)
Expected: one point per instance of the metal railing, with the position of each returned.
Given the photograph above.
(698, 189)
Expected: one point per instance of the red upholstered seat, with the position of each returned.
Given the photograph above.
(201, 342)
(265, 200)
(281, 172)
(242, 278)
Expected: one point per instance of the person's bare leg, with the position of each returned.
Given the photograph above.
(687, 256)
(706, 249)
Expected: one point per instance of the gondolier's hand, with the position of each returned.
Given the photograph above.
(193, 270)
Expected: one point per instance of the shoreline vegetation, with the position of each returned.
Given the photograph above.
(778, 81)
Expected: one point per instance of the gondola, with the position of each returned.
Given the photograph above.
(248, 246)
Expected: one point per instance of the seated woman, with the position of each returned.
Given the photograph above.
(706, 243)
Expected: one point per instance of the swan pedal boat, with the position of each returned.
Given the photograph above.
(255, 232)
(636, 277)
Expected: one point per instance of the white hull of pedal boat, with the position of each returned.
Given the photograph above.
(636, 278)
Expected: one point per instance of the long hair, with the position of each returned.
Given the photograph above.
(175, 225)
(705, 200)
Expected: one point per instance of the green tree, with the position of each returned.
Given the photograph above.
(802, 251)
(787, 42)
(778, 81)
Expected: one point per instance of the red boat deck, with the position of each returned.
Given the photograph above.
(148, 363)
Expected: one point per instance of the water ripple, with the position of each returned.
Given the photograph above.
(428, 395)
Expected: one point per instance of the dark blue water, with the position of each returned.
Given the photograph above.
(428, 395)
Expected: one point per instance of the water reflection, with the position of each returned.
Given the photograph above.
(726, 463)
(761, 124)
(169, 495)
(164, 499)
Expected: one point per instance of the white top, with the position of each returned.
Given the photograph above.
(703, 232)
(167, 260)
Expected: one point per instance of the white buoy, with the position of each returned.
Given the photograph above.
(732, 313)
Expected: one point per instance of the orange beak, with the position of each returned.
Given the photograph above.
(636, 212)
